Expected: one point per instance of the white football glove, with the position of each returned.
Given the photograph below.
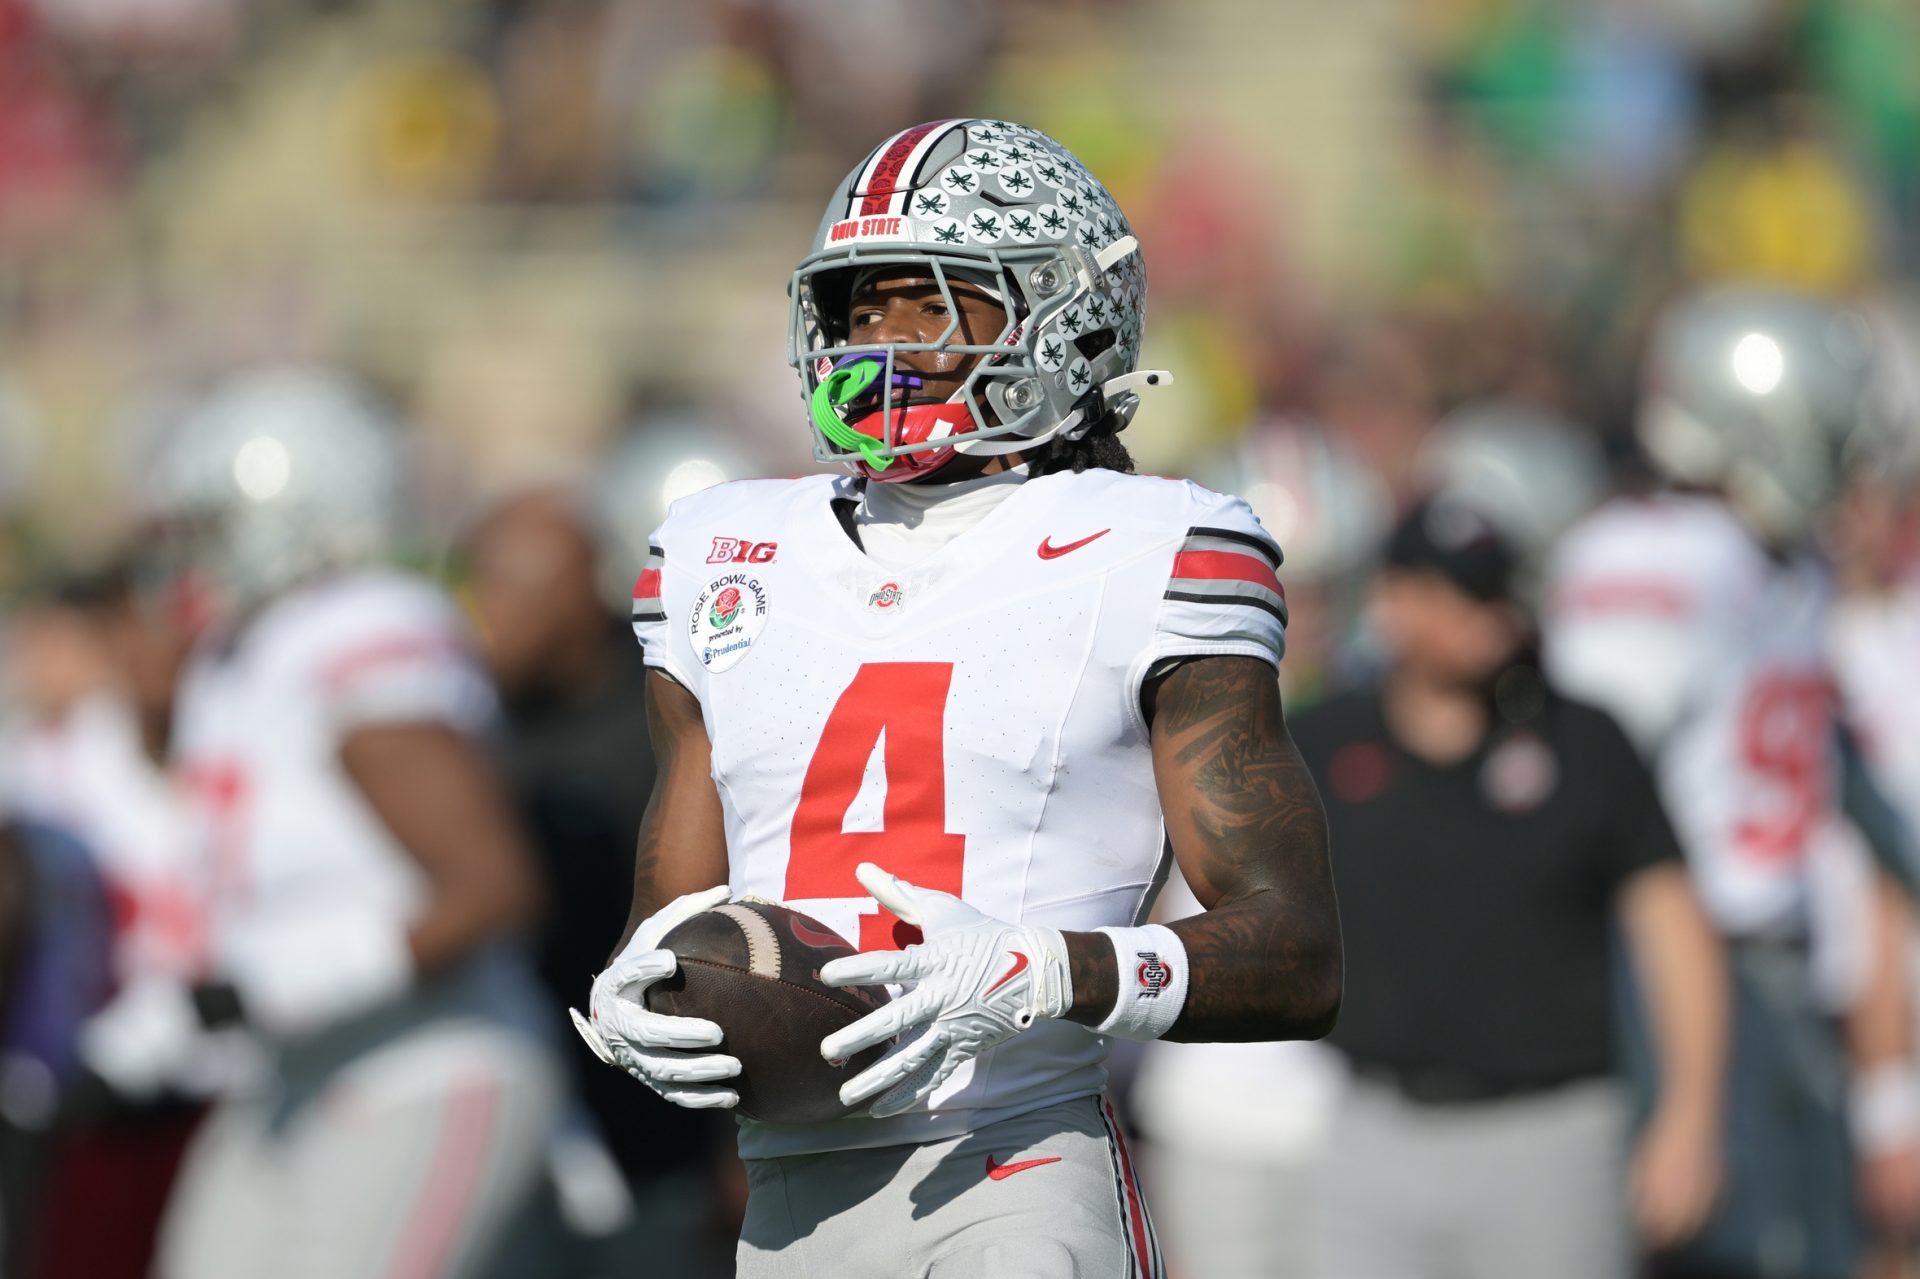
(977, 982)
(144, 1037)
(652, 1047)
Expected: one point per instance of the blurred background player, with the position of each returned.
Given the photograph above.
(364, 884)
(96, 665)
(541, 567)
(1699, 615)
(1491, 835)
(1874, 538)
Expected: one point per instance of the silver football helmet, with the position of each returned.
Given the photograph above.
(1530, 473)
(1763, 393)
(1316, 495)
(662, 458)
(1006, 207)
(278, 474)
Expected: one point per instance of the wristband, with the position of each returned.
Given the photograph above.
(1153, 982)
(1883, 1108)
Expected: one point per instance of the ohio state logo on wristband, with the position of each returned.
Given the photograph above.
(1147, 1006)
(1153, 975)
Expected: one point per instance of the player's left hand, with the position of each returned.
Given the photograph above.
(977, 981)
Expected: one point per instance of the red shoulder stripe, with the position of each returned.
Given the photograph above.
(1225, 566)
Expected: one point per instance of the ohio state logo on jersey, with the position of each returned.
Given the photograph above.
(737, 550)
(1153, 975)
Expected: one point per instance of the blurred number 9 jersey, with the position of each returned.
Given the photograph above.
(1712, 652)
(971, 723)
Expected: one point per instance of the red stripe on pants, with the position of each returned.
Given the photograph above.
(1136, 1214)
(426, 1249)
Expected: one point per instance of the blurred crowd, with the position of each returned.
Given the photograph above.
(538, 249)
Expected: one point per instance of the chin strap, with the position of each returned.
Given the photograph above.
(1122, 393)
(1117, 251)
(1130, 383)
(1122, 396)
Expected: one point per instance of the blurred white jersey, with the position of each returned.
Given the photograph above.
(1875, 644)
(971, 722)
(88, 773)
(1712, 653)
(292, 854)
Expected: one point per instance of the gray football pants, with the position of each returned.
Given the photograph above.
(1528, 1188)
(932, 1211)
(408, 1166)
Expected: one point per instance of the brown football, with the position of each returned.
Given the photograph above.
(754, 969)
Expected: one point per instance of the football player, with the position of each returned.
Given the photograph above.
(958, 704)
(361, 879)
(1698, 615)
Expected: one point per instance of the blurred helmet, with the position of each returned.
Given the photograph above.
(1326, 507)
(1011, 211)
(661, 459)
(1529, 473)
(279, 473)
(1762, 393)
(1892, 446)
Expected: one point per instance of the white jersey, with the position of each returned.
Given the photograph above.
(1875, 643)
(971, 722)
(88, 773)
(1712, 653)
(291, 851)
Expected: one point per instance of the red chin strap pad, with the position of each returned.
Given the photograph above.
(916, 425)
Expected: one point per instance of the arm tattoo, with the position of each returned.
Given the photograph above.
(1251, 836)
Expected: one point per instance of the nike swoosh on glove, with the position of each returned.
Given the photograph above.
(656, 1049)
(976, 982)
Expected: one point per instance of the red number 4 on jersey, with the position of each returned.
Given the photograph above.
(908, 700)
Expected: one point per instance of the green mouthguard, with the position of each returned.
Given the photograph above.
(836, 389)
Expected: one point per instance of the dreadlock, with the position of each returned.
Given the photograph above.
(1099, 449)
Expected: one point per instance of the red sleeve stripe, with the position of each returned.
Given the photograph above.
(1201, 538)
(1225, 566)
(1642, 595)
(392, 651)
(647, 604)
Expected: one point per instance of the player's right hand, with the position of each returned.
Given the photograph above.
(659, 1051)
(142, 1038)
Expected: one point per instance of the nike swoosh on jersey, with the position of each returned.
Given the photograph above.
(1000, 1172)
(1019, 966)
(1048, 551)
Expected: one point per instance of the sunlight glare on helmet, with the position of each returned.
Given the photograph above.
(1279, 510)
(262, 468)
(1758, 363)
(690, 476)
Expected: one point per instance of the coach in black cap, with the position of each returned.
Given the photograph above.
(1487, 834)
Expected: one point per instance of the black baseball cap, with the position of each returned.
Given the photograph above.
(1447, 536)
